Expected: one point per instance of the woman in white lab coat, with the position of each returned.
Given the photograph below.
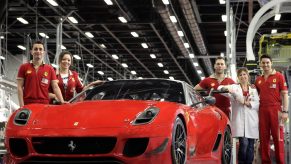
(244, 122)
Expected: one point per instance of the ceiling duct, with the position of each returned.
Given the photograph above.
(196, 33)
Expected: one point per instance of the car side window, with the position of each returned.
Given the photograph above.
(195, 98)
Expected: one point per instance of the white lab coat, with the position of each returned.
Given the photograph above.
(245, 120)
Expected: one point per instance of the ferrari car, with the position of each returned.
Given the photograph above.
(124, 121)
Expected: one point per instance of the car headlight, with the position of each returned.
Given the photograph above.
(22, 116)
(146, 116)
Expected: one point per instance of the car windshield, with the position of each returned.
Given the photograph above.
(158, 90)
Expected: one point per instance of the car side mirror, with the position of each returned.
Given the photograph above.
(210, 100)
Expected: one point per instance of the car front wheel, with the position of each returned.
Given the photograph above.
(226, 147)
(179, 143)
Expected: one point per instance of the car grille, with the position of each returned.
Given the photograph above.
(73, 145)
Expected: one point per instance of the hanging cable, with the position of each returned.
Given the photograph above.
(36, 20)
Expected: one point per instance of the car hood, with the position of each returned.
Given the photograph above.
(93, 114)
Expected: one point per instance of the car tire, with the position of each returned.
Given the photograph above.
(179, 142)
(226, 147)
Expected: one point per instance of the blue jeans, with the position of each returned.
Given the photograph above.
(246, 150)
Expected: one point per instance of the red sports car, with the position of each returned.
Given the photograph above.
(125, 121)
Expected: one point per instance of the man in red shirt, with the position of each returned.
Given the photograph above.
(35, 77)
(216, 79)
(272, 87)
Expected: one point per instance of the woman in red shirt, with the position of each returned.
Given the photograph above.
(68, 80)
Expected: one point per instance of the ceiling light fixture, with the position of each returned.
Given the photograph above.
(160, 65)
(122, 19)
(223, 18)
(191, 56)
(89, 34)
(166, 2)
(222, 2)
(100, 72)
(139, 78)
(54, 65)
(277, 17)
(52, 2)
(2, 57)
(196, 64)
(186, 45)
(133, 72)
(144, 45)
(102, 46)
(114, 56)
(43, 35)
(73, 20)
(134, 34)
(124, 65)
(77, 57)
(110, 78)
(22, 20)
(180, 33)
(225, 33)
(199, 71)
(274, 31)
(63, 47)
(1, 37)
(221, 54)
(172, 78)
(21, 47)
(166, 72)
(153, 56)
(108, 2)
(89, 65)
(173, 19)
(202, 77)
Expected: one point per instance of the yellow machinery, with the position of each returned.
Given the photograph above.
(278, 46)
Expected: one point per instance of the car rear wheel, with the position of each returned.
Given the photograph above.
(227, 147)
(179, 143)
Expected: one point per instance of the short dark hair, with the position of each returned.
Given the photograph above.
(219, 58)
(37, 42)
(266, 56)
(62, 54)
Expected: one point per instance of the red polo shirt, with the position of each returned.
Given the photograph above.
(74, 84)
(270, 88)
(36, 83)
(222, 102)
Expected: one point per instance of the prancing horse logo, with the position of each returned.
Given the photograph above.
(72, 146)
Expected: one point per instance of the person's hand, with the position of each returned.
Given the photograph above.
(284, 116)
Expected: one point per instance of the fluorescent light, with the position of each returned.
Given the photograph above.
(100, 72)
(21, 47)
(124, 65)
(1, 37)
(180, 33)
(196, 64)
(133, 72)
(277, 17)
(221, 2)
(221, 54)
(89, 34)
(166, 2)
(225, 33)
(73, 20)
(274, 31)
(52, 2)
(54, 65)
(89, 65)
(22, 20)
(110, 78)
(173, 19)
(134, 34)
(199, 71)
(43, 35)
(114, 56)
(166, 72)
(77, 57)
(186, 45)
(122, 19)
(224, 18)
(139, 78)
(153, 56)
(160, 65)
(2, 57)
(108, 2)
(102, 45)
(202, 77)
(230, 55)
(191, 56)
(144, 45)
(171, 77)
(63, 47)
